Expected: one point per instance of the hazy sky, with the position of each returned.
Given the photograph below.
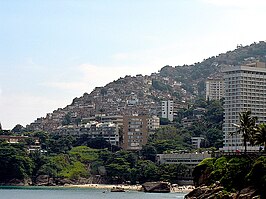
(54, 50)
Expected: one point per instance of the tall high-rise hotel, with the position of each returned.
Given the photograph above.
(245, 89)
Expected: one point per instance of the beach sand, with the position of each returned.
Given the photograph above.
(107, 186)
(176, 189)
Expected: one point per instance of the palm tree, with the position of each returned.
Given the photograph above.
(246, 127)
(259, 136)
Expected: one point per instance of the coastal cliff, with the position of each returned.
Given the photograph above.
(240, 177)
(218, 192)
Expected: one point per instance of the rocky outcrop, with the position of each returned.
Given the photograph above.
(218, 192)
(44, 180)
(204, 192)
(156, 187)
(17, 182)
(247, 193)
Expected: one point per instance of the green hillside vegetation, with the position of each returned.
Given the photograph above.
(234, 173)
(175, 137)
(73, 158)
(14, 162)
(81, 162)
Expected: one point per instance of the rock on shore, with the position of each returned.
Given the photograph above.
(158, 187)
(218, 192)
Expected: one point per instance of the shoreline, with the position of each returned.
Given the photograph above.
(175, 189)
(105, 186)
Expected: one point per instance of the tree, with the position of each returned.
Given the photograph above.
(164, 121)
(246, 127)
(84, 154)
(147, 171)
(165, 133)
(215, 137)
(169, 172)
(259, 136)
(235, 176)
(149, 152)
(59, 144)
(214, 114)
(257, 175)
(117, 170)
(14, 162)
(38, 160)
(98, 143)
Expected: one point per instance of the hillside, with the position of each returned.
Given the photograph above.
(194, 76)
(143, 94)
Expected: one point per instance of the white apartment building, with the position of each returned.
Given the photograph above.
(245, 89)
(168, 110)
(214, 88)
(107, 130)
(153, 123)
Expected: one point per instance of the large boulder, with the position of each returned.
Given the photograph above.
(217, 192)
(18, 182)
(63, 181)
(208, 192)
(156, 187)
(247, 193)
(44, 180)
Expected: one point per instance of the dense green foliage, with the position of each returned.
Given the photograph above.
(168, 138)
(75, 158)
(177, 137)
(259, 136)
(234, 173)
(246, 127)
(74, 163)
(257, 175)
(14, 163)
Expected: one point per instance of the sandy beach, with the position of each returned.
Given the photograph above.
(176, 189)
(107, 186)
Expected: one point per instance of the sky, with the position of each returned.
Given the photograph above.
(55, 50)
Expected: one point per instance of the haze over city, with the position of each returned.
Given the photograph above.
(54, 51)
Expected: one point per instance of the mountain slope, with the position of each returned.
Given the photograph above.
(143, 94)
(198, 72)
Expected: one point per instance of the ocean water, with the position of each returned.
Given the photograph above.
(78, 193)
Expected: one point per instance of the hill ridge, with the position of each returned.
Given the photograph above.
(143, 94)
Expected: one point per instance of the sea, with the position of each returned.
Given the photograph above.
(7, 192)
